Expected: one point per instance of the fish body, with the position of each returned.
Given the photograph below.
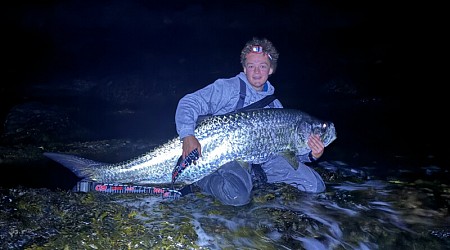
(250, 136)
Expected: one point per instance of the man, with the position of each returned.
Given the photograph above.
(232, 183)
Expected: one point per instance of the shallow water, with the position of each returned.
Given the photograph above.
(359, 210)
(368, 214)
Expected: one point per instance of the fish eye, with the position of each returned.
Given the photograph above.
(320, 129)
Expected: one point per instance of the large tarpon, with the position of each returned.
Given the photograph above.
(249, 136)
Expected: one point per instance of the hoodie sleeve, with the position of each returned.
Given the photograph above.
(217, 98)
(305, 158)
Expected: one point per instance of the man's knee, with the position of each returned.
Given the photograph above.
(303, 178)
(231, 185)
(234, 199)
(236, 190)
(311, 183)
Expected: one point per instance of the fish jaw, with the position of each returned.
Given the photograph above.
(329, 135)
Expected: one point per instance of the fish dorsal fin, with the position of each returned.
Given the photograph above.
(254, 106)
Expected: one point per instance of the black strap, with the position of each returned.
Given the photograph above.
(182, 164)
(259, 104)
(268, 100)
(242, 93)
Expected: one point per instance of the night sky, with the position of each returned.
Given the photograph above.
(370, 66)
(319, 41)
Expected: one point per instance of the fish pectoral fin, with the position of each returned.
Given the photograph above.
(291, 158)
(244, 164)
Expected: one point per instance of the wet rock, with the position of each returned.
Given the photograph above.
(34, 122)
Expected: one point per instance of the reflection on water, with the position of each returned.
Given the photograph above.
(367, 214)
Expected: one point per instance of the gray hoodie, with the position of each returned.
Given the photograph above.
(217, 98)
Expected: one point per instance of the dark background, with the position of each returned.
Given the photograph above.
(118, 68)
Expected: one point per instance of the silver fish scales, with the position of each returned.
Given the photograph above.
(249, 136)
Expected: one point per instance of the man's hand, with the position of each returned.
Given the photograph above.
(189, 144)
(316, 146)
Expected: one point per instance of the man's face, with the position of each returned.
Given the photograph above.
(257, 69)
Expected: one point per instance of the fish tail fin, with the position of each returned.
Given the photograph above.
(83, 168)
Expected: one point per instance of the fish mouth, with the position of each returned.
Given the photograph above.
(329, 133)
(325, 130)
(322, 129)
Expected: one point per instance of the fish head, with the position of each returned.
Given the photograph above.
(325, 130)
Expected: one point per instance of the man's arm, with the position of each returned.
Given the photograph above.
(219, 96)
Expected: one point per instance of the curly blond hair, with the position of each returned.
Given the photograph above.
(267, 47)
